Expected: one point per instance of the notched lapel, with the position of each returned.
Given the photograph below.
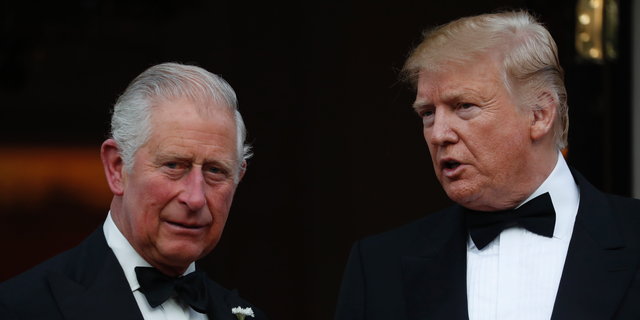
(599, 268)
(594, 280)
(220, 309)
(435, 278)
(108, 297)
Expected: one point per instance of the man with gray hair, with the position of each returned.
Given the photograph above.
(529, 237)
(173, 162)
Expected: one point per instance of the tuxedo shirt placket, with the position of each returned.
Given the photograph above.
(518, 274)
(175, 309)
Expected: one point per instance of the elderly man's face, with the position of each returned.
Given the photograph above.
(177, 198)
(479, 142)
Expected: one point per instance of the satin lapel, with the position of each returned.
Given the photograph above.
(435, 278)
(95, 286)
(598, 268)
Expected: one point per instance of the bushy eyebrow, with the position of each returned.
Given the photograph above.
(420, 104)
(227, 165)
(451, 96)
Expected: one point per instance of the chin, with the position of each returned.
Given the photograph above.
(183, 254)
(465, 198)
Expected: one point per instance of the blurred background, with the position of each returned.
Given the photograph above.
(339, 153)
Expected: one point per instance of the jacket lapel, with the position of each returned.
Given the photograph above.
(435, 278)
(219, 308)
(598, 268)
(94, 286)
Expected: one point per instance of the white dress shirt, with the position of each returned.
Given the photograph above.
(516, 277)
(172, 309)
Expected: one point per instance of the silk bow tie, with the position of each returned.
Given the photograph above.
(158, 287)
(537, 216)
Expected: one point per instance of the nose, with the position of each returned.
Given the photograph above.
(441, 131)
(193, 194)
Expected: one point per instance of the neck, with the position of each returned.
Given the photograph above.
(172, 271)
(542, 164)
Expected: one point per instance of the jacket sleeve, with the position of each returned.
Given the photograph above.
(351, 302)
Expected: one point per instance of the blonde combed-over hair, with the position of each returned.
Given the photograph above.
(530, 64)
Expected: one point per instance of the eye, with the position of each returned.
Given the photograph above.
(214, 170)
(426, 113)
(468, 111)
(172, 165)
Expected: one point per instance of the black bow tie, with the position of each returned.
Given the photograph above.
(158, 287)
(537, 216)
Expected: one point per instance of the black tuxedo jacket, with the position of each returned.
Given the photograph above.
(418, 271)
(87, 282)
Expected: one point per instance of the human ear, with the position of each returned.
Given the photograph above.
(113, 166)
(544, 115)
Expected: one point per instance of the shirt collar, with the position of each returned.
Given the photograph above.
(565, 196)
(127, 256)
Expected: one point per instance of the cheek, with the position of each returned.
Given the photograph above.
(154, 199)
(427, 135)
(504, 151)
(434, 161)
(514, 139)
(219, 206)
(219, 201)
(493, 139)
(427, 139)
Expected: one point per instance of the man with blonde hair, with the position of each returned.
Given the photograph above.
(173, 162)
(530, 238)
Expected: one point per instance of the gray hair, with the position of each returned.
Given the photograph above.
(131, 120)
(530, 58)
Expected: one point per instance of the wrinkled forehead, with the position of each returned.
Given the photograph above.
(184, 118)
(481, 64)
(446, 60)
(209, 113)
(440, 62)
(478, 80)
(203, 105)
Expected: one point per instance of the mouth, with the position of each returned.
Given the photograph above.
(451, 165)
(451, 168)
(186, 226)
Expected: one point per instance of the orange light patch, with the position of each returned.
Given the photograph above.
(33, 175)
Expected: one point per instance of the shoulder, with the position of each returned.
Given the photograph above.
(30, 291)
(374, 278)
(591, 195)
(31, 288)
(34, 278)
(403, 240)
(626, 212)
(624, 205)
(608, 218)
(623, 209)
